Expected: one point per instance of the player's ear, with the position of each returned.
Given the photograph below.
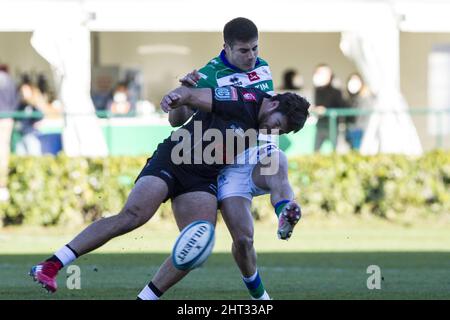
(227, 47)
(273, 105)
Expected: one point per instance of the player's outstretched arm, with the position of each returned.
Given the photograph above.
(180, 115)
(196, 98)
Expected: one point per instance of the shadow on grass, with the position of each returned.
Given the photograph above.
(297, 275)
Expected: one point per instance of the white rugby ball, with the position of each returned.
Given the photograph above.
(194, 245)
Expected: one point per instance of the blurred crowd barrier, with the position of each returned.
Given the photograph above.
(135, 136)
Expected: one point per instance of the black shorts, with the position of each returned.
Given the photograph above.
(178, 178)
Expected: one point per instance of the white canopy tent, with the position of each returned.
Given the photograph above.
(370, 37)
(67, 49)
(376, 55)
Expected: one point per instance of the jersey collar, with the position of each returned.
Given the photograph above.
(223, 57)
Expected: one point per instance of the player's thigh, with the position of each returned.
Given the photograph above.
(145, 198)
(192, 206)
(234, 181)
(236, 212)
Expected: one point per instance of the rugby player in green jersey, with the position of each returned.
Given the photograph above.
(238, 64)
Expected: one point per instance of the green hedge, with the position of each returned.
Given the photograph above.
(62, 190)
(384, 185)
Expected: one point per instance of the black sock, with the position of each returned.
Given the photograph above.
(54, 258)
(155, 290)
(74, 252)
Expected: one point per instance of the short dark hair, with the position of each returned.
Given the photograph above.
(239, 29)
(294, 107)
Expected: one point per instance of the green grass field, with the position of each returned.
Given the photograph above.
(323, 260)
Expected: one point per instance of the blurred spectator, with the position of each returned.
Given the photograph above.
(325, 96)
(45, 98)
(42, 84)
(8, 103)
(359, 96)
(30, 102)
(292, 81)
(133, 79)
(36, 101)
(119, 103)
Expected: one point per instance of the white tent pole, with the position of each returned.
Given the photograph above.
(67, 49)
(375, 50)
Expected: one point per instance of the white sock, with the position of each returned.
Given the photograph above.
(251, 278)
(265, 296)
(147, 294)
(65, 255)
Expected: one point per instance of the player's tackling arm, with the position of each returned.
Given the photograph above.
(200, 99)
(180, 115)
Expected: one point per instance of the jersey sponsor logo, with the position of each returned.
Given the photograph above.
(249, 96)
(253, 76)
(242, 79)
(263, 87)
(235, 81)
(226, 94)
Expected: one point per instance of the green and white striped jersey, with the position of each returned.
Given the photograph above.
(219, 72)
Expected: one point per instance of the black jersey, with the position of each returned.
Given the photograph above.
(233, 108)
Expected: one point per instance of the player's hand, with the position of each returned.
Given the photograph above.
(170, 101)
(191, 79)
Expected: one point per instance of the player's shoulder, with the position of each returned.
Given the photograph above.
(213, 65)
(209, 72)
(262, 62)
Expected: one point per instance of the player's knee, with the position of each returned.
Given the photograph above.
(243, 243)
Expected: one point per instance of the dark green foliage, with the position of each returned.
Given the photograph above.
(63, 190)
(383, 185)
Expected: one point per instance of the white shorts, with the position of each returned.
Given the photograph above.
(236, 180)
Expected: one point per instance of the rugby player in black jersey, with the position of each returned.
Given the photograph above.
(221, 110)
